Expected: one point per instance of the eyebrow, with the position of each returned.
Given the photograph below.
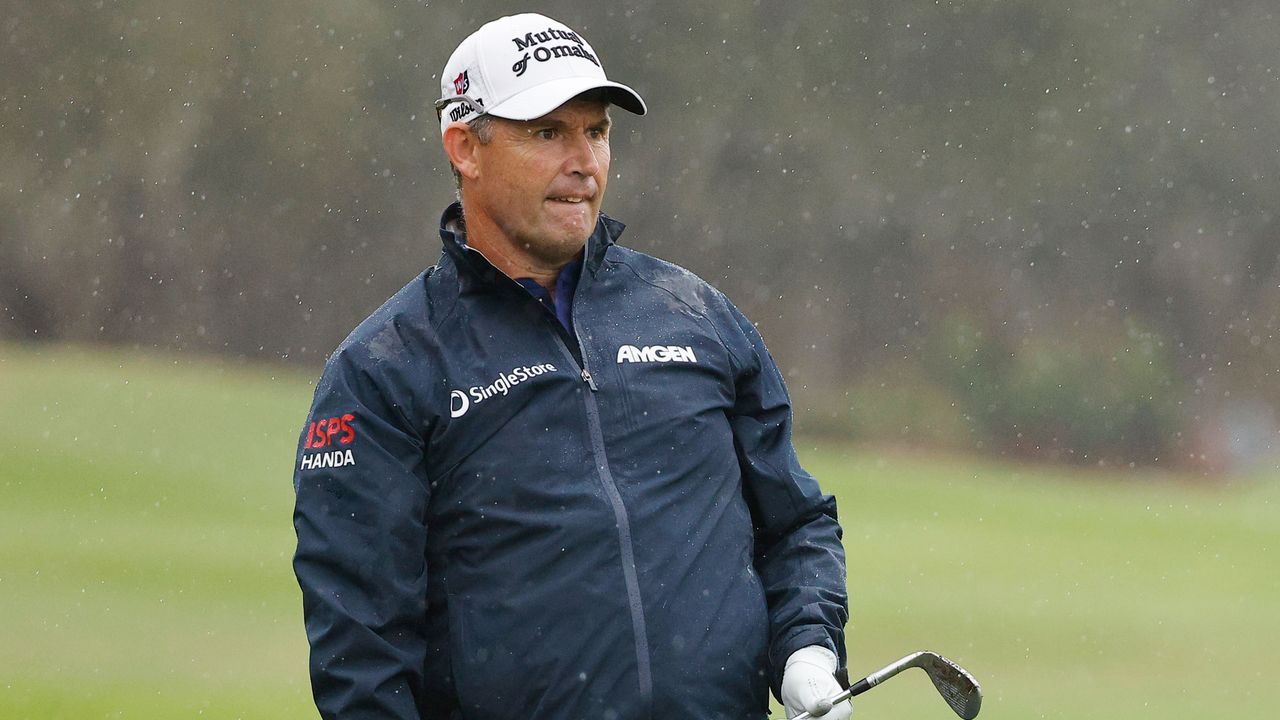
(604, 124)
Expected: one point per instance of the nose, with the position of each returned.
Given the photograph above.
(582, 159)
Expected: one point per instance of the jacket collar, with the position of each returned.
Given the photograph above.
(471, 263)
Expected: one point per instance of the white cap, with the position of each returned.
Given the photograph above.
(521, 67)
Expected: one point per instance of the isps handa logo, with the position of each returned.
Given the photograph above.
(329, 433)
(460, 401)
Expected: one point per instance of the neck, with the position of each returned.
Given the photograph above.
(508, 256)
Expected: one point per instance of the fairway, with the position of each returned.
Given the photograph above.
(146, 537)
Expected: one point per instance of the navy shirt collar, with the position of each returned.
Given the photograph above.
(562, 304)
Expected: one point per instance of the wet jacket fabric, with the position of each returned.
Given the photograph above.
(498, 517)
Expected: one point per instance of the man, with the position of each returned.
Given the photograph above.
(553, 477)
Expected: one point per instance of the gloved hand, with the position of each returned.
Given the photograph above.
(808, 679)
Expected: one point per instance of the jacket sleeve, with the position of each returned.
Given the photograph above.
(360, 519)
(799, 555)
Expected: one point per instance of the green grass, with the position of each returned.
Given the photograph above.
(145, 539)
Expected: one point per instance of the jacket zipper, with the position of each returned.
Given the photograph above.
(629, 574)
(626, 546)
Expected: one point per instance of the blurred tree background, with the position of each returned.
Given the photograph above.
(1028, 228)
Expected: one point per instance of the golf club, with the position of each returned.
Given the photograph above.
(954, 683)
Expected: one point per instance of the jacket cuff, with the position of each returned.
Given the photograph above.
(801, 638)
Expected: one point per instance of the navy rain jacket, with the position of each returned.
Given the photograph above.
(498, 518)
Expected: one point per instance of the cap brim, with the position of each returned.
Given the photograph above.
(542, 99)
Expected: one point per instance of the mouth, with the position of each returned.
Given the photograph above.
(570, 199)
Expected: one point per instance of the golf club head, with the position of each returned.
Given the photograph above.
(956, 686)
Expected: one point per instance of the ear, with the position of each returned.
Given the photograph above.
(460, 145)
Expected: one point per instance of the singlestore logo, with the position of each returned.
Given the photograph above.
(460, 401)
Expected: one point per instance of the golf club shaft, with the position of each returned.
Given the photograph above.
(867, 682)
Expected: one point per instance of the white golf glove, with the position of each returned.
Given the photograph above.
(808, 679)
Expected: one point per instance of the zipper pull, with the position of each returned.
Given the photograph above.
(586, 377)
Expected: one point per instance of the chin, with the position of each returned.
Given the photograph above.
(578, 233)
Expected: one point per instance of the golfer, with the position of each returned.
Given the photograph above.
(552, 477)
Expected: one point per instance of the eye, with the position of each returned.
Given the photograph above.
(546, 133)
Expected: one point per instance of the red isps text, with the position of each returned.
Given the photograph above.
(331, 431)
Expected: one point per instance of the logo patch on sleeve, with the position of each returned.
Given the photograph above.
(329, 433)
(339, 429)
(334, 459)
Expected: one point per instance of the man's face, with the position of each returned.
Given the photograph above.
(541, 182)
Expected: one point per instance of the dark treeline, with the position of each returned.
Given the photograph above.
(1034, 228)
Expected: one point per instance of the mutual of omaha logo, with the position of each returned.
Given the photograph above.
(656, 354)
(544, 50)
(461, 401)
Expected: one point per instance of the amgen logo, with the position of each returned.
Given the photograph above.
(656, 353)
(460, 402)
